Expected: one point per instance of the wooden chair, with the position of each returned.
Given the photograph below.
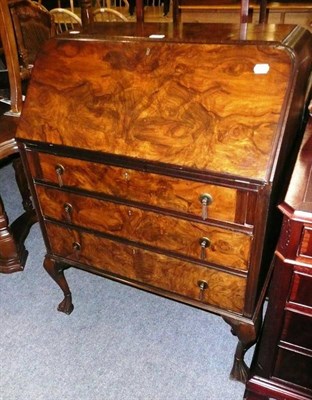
(88, 14)
(111, 3)
(33, 25)
(60, 4)
(65, 20)
(108, 15)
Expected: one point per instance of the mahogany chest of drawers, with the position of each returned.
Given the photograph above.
(282, 365)
(156, 155)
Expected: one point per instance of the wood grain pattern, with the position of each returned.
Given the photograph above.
(305, 250)
(156, 190)
(175, 103)
(224, 290)
(227, 248)
(301, 288)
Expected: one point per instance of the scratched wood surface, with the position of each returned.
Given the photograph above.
(156, 190)
(195, 105)
(224, 290)
(228, 248)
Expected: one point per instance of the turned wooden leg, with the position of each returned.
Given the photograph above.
(247, 336)
(22, 184)
(13, 254)
(57, 274)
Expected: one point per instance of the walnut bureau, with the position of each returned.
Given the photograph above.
(156, 154)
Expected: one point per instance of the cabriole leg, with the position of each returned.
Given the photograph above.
(56, 272)
(247, 335)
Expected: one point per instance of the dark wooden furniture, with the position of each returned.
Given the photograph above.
(282, 365)
(13, 254)
(158, 160)
(12, 63)
(242, 7)
(33, 25)
(266, 10)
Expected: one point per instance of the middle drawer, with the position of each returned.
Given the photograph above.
(199, 241)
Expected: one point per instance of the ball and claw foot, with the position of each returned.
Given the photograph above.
(66, 306)
(240, 371)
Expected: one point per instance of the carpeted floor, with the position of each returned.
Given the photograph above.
(119, 343)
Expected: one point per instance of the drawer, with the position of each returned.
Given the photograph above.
(305, 246)
(188, 238)
(156, 190)
(297, 329)
(294, 367)
(224, 290)
(301, 289)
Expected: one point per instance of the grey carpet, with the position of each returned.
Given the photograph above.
(119, 343)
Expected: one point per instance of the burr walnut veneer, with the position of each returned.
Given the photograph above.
(157, 160)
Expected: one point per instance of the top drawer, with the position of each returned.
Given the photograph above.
(301, 288)
(199, 199)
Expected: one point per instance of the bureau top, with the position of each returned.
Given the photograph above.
(198, 97)
(189, 32)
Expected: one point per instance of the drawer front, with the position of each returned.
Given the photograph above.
(301, 288)
(294, 367)
(305, 247)
(188, 238)
(156, 190)
(226, 291)
(297, 329)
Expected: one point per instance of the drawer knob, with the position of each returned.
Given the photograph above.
(204, 243)
(59, 169)
(203, 285)
(205, 200)
(68, 208)
(76, 248)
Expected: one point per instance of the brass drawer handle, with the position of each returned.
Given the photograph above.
(59, 169)
(203, 285)
(205, 200)
(204, 243)
(76, 248)
(68, 208)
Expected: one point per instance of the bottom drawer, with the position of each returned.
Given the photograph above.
(297, 330)
(224, 290)
(294, 367)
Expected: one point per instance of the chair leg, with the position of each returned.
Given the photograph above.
(22, 184)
